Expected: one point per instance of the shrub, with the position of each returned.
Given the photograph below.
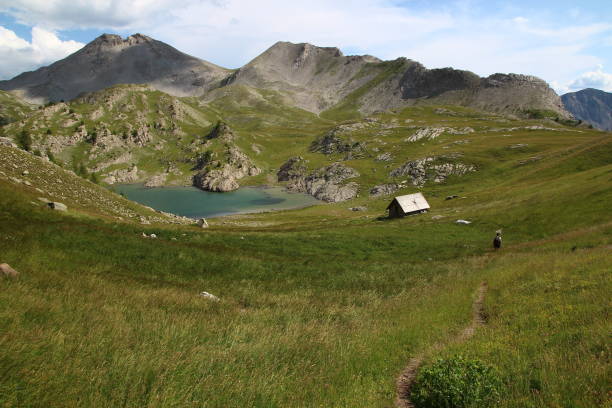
(24, 140)
(456, 382)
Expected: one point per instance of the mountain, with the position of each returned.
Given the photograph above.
(316, 79)
(591, 105)
(109, 60)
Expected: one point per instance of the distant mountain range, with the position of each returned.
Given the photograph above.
(305, 76)
(590, 105)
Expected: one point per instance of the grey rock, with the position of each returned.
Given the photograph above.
(325, 184)
(223, 175)
(436, 169)
(360, 208)
(384, 189)
(202, 223)
(465, 222)
(156, 181)
(384, 157)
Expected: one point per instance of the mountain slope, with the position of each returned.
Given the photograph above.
(111, 60)
(12, 108)
(312, 78)
(315, 78)
(591, 105)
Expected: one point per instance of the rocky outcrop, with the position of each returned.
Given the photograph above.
(436, 169)
(119, 176)
(384, 189)
(156, 181)
(325, 184)
(332, 143)
(431, 133)
(223, 175)
(221, 131)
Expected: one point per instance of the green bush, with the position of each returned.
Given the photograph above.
(456, 382)
(24, 140)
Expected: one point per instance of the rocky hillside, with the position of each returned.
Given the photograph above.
(45, 182)
(590, 105)
(315, 79)
(12, 108)
(111, 60)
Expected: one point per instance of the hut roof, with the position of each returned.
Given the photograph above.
(411, 202)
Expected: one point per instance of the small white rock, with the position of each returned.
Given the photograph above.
(463, 222)
(209, 296)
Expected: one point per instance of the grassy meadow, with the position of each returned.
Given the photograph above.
(322, 306)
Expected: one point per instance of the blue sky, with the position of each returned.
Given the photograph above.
(567, 43)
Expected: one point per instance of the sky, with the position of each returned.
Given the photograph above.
(567, 43)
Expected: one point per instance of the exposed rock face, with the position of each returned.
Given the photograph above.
(384, 157)
(293, 170)
(332, 143)
(431, 133)
(224, 175)
(325, 184)
(411, 83)
(592, 106)
(436, 169)
(111, 60)
(221, 131)
(156, 181)
(128, 175)
(384, 189)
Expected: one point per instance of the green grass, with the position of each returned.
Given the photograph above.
(320, 306)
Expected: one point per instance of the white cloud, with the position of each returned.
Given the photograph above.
(597, 79)
(102, 14)
(18, 55)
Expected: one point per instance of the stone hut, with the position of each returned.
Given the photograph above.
(407, 205)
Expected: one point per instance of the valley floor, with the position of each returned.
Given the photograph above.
(319, 307)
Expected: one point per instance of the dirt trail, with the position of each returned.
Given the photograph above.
(406, 379)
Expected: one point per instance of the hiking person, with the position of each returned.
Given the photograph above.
(497, 241)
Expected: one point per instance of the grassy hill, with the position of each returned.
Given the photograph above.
(320, 306)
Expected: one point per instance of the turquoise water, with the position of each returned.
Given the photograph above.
(195, 203)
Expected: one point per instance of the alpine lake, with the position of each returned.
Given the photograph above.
(195, 203)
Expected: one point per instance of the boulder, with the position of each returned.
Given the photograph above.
(202, 223)
(7, 271)
(54, 205)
